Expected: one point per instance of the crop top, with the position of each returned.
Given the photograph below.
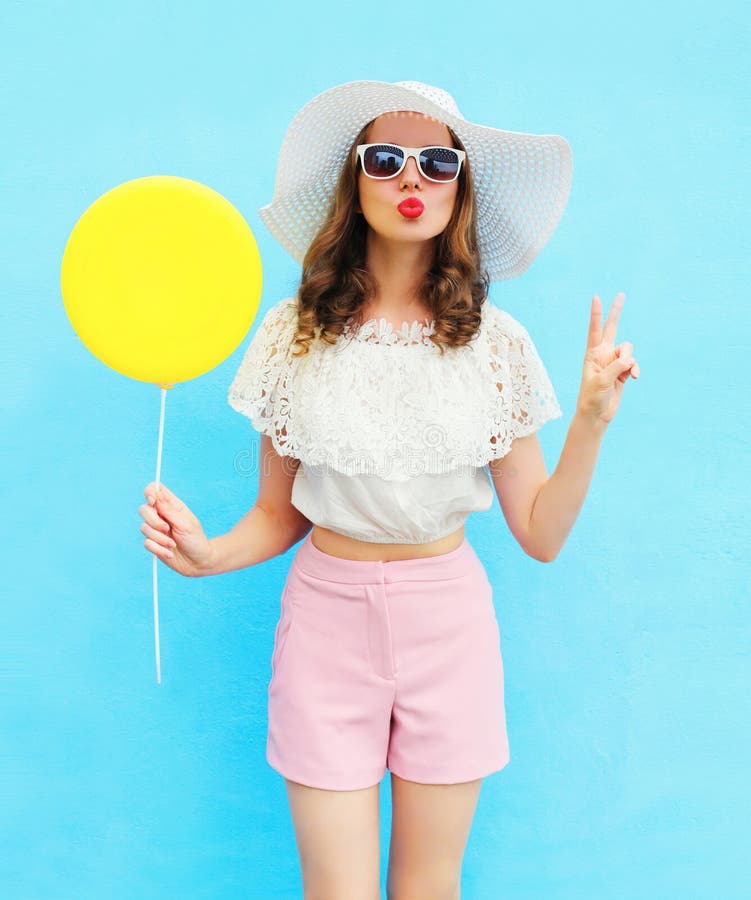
(393, 438)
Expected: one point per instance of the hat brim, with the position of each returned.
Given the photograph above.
(522, 181)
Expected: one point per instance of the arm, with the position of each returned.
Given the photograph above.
(606, 369)
(270, 527)
(541, 510)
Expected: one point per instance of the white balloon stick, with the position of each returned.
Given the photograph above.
(156, 591)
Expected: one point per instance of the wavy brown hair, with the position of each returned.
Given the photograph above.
(336, 284)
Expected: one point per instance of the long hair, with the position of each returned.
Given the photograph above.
(335, 283)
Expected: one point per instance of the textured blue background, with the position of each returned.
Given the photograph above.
(626, 659)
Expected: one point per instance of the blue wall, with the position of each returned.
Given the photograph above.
(626, 659)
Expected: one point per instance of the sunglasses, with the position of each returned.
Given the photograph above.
(387, 160)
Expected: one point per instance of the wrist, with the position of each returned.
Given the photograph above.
(590, 421)
(207, 566)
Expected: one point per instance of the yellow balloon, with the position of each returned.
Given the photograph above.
(161, 278)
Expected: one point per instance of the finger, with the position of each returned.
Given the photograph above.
(175, 512)
(153, 491)
(166, 496)
(619, 366)
(162, 539)
(625, 350)
(611, 323)
(156, 549)
(150, 515)
(595, 323)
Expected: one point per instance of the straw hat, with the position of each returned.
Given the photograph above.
(522, 181)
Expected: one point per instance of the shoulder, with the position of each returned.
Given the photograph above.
(277, 327)
(501, 329)
(265, 363)
(281, 315)
(496, 320)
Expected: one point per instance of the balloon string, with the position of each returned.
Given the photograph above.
(156, 591)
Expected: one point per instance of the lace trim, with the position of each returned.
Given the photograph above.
(381, 331)
(359, 411)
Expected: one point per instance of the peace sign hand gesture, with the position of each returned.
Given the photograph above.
(606, 367)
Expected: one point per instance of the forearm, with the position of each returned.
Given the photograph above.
(561, 497)
(258, 536)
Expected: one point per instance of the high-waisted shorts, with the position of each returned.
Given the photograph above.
(386, 664)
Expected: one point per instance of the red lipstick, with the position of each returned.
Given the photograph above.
(411, 207)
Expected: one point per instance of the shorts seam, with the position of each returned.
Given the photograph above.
(391, 581)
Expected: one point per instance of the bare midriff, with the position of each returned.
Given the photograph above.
(350, 548)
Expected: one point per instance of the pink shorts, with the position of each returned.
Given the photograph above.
(382, 665)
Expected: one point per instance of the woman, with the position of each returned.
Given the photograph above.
(392, 398)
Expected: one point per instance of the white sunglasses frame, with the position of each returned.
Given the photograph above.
(409, 152)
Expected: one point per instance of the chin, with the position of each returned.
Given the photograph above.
(416, 229)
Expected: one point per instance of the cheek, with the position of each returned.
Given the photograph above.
(363, 190)
(373, 197)
(449, 201)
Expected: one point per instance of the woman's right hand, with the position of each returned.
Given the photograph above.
(173, 533)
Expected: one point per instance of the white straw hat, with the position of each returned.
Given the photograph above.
(522, 181)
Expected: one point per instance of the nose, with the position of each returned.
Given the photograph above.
(410, 174)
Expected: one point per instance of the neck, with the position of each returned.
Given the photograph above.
(399, 268)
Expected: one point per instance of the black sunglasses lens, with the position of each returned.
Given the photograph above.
(383, 160)
(440, 163)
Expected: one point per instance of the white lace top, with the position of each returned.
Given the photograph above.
(393, 438)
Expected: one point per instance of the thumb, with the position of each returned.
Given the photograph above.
(617, 367)
(172, 509)
(167, 498)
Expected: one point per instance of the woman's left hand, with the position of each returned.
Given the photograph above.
(606, 367)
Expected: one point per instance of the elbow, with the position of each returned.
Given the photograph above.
(299, 528)
(540, 555)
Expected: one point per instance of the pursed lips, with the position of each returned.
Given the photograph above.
(411, 207)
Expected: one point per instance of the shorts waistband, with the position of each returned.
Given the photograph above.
(367, 571)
